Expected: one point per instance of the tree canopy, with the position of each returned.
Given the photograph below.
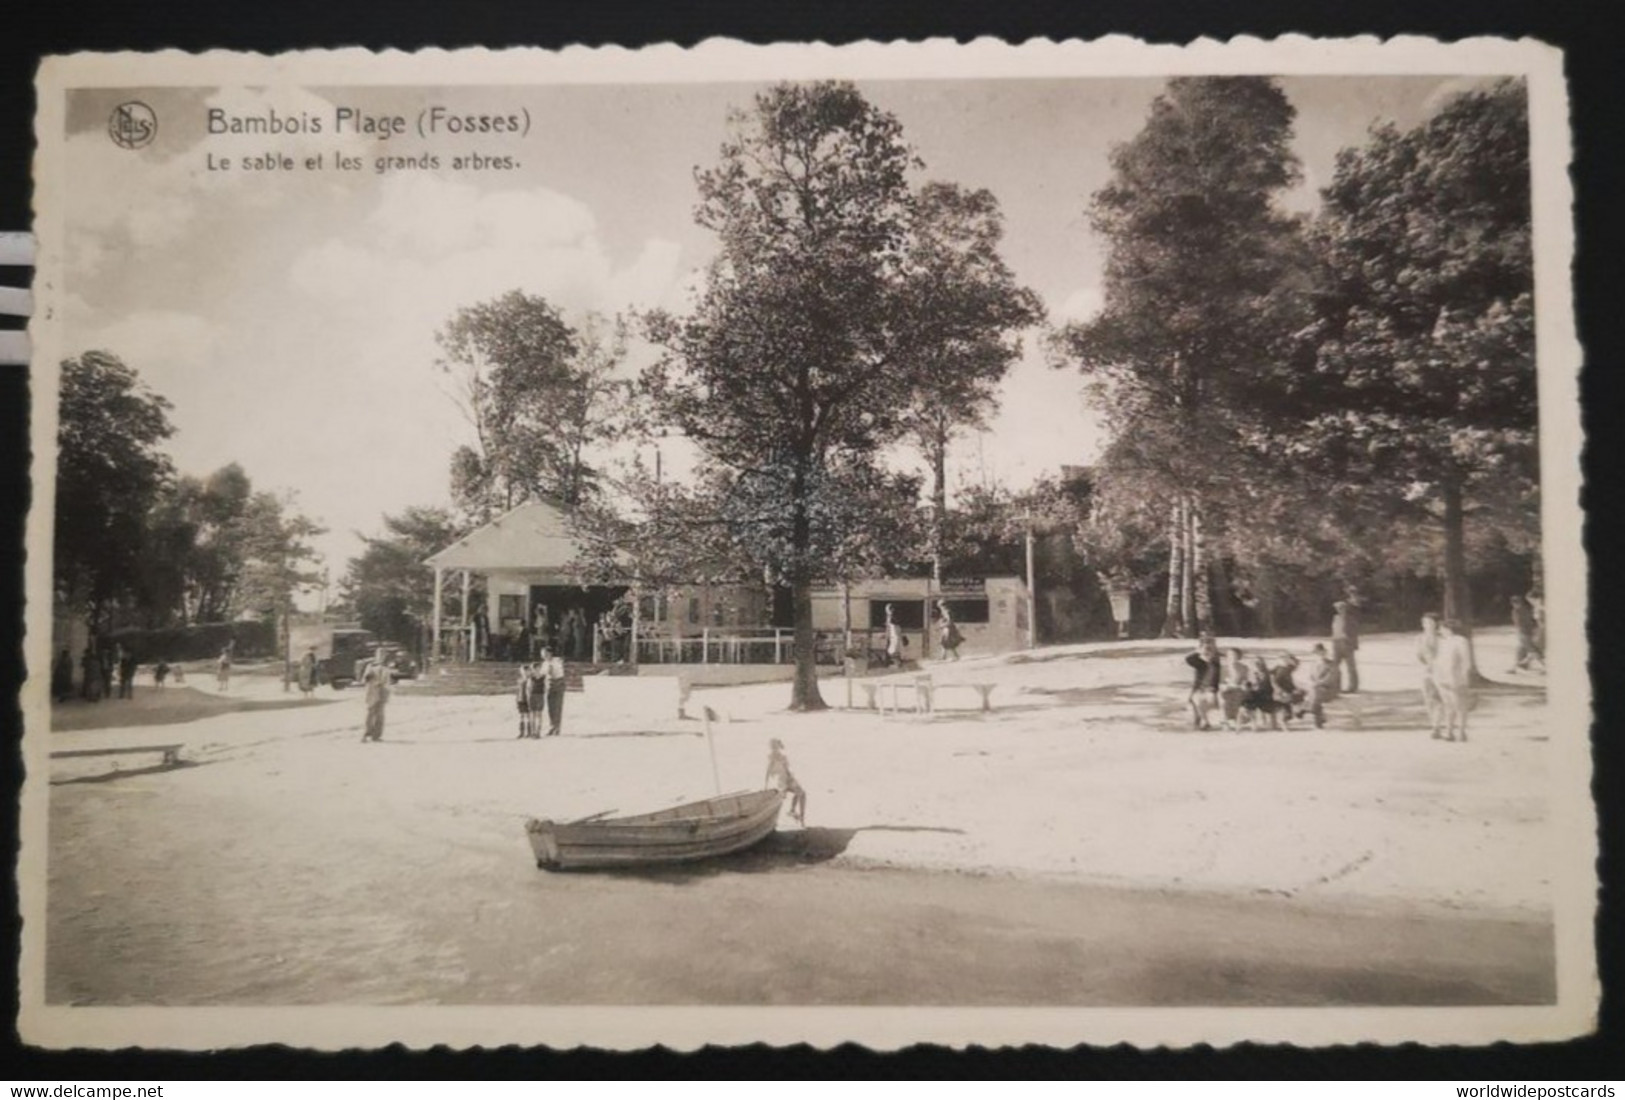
(1205, 280)
(387, 585)
(787, 370)
(1422, 381)
(110, 472)
(538, 392)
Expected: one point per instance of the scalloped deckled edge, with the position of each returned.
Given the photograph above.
(690, 1028)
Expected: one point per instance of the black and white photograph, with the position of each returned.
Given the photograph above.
(958, 543)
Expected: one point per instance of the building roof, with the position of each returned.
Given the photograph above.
(534, 536)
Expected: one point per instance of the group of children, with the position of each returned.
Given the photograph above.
(1252, 693)
(539, 693)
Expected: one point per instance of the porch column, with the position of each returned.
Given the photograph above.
(439, 581)
(463, 622)
(637, 610)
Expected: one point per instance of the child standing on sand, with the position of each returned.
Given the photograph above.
(780, 779)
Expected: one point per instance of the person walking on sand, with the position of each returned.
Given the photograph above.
(1453, 675)
(160, 672)
(90, 667)
(126, 675)
(375, 679)
(1427, 653)
(62, 676)
(307, 673)
(1346, 642)
(553, 677)
(1523, 622)
(222, 670)
(110, 658)
(952, 639)
(1204, 697)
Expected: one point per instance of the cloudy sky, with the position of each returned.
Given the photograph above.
(290, 316)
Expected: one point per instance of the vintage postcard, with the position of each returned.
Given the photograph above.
(992, 544)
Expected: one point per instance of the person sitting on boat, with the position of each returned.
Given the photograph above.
(780, 778)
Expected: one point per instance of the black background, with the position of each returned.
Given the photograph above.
(30, 29)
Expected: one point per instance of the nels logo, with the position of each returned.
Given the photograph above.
(132, 125)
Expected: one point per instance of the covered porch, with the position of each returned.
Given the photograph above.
(531, 595)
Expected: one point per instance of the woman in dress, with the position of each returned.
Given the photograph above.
(952, 639)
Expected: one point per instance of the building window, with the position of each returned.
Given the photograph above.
(909, 614)
(508, 608)
(694, 609)
(968, 611)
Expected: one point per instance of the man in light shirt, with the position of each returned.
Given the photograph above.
(553, 677)
(1453, 676)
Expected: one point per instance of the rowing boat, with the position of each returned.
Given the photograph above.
(694, 830)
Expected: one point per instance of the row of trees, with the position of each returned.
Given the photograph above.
(138, 545)
(1296, 404)
(1346, 397)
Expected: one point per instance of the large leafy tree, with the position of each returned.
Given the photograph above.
(1203, 284)
(110, 472)
(386, 584)
(538, 392)
(786, 371)
(962, 314)
(1422, 387)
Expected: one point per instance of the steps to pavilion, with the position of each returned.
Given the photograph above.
(499, 677)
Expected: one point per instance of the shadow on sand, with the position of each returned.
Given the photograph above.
(780, 851)
(124, 773)
(1171, 648)
(162, 707)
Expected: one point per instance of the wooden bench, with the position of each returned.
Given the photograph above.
(925, 691)
(171, 753)
(879, 690)
(983, 692)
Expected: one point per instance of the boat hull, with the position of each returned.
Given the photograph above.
(681, 834)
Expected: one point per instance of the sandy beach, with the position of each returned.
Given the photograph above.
(983, 857)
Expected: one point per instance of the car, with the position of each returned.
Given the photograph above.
(399, 662)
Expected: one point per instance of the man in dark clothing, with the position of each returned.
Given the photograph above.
(90, 666)
(1523, 622)
(1346, 642)
(62, 676)
(126, 676)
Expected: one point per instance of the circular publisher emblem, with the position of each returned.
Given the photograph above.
(132, 125)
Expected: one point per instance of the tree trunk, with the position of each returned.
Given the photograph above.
(1176, 572)
(804, 694)
(939, 500)
(1457, 598)
(1187, 607)
(1204, 590)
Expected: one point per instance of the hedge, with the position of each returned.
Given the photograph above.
(253, 638)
